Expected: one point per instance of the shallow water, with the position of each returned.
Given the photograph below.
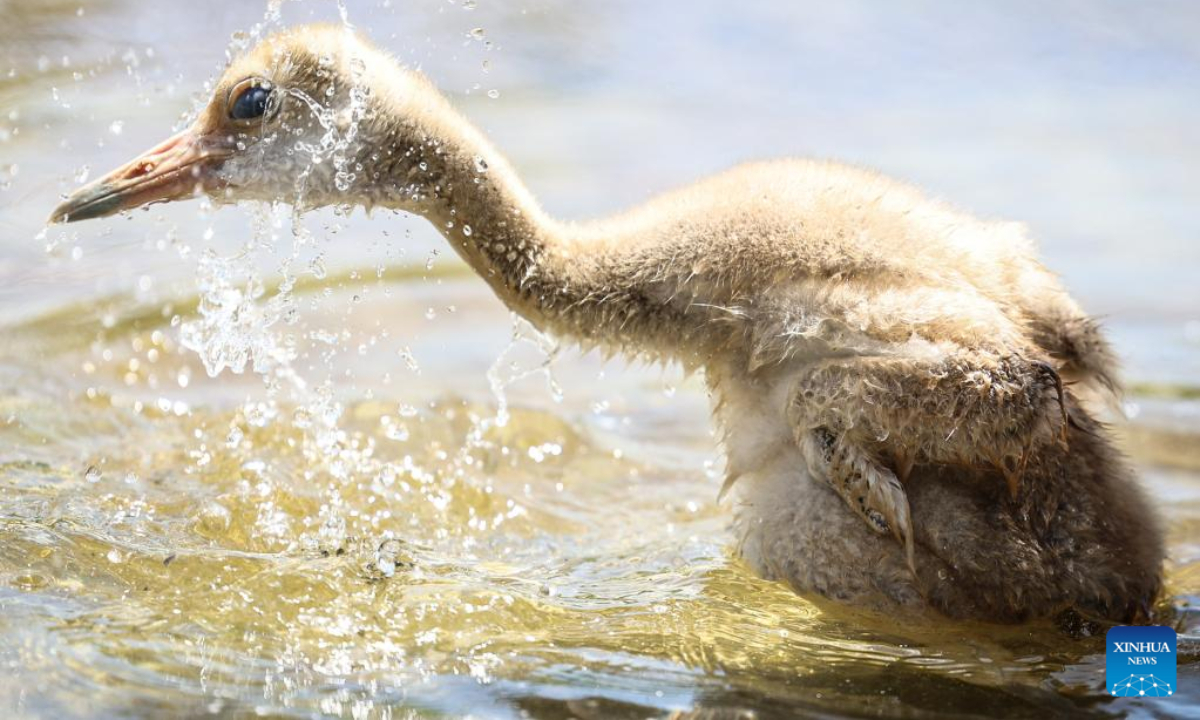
(401, 506)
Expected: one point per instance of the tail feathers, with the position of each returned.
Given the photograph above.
(1086, 359)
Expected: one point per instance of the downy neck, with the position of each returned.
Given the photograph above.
(446, 171)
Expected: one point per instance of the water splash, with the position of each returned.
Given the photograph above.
(235, 327)
(507, 370)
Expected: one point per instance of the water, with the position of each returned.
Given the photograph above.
(400, 507)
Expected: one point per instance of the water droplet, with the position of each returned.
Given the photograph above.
(481, 165)
(493, 93)
(92, 474)
(114, 556)
(476, 33)
(386, 557)
(317, 267)
(116, 127)
(466, 230)
(410, 361)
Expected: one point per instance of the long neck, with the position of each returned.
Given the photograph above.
(447, 172)
(590, 289)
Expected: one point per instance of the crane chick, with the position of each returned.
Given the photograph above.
(898, 384)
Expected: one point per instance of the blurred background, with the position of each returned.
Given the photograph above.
(1078, 118)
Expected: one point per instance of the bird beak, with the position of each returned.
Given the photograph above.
(183, 166)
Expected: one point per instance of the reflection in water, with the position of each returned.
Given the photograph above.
(360, 534)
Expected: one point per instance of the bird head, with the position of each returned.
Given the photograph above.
(294, 119)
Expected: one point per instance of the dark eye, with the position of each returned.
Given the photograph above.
(251, 103)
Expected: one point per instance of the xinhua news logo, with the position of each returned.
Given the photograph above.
(1140, 661)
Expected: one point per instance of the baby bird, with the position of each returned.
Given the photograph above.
(883, 365)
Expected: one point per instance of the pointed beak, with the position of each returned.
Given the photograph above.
(183, 166)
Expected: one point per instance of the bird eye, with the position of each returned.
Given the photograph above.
(251, 103)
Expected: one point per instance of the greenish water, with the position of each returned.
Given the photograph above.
(401, 507)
